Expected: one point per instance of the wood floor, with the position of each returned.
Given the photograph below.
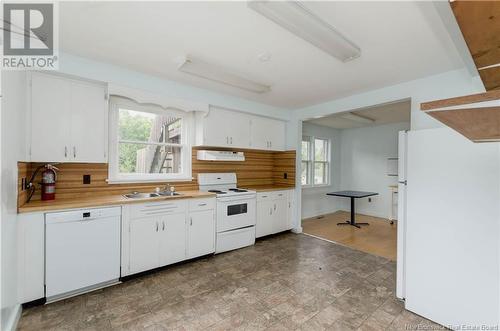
(378, 238)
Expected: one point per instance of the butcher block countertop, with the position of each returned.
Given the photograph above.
(269, 188)
(99, 201)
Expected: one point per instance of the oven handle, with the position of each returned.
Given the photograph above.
(241, 198)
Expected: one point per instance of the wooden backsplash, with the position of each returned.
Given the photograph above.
(260, 168)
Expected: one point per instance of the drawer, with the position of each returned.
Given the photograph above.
(265, 196)
(272, 195)
(158, 208)
(201, 204)
(230, 240)
(278, 195)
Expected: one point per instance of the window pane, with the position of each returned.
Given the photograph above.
(305, 149)
(320, 149)
(148, 127)
(320, 173)
(305, 173)
(149, 159)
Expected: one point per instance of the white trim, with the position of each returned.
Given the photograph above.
(145, 97)
(13, 321)
(115, 177)
(311, 161)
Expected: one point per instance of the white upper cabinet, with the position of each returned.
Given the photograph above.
(88, 122)
(233, 129)
(68, 120)
(225, 128)
(50, 118)
(266, 133)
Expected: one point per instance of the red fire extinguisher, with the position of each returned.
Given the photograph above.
(48, 183)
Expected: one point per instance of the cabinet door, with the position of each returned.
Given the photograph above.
(50, 105)
(277, 135)
(280, 213)
(226, 128)
(267, 133)
(144, 244)
(264, 224)
(88, 122)
(201, 233)
(172, 238)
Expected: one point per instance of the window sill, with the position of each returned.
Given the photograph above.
(147, 180)
(307, 187)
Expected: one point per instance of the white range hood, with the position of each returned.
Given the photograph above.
(205, 155)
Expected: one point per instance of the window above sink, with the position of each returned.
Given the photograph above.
(148, 142)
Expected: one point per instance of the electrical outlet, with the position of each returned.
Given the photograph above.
(86, 179)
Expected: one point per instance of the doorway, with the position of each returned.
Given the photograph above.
(355, 150)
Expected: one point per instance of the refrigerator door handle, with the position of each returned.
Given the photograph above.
(405, 182)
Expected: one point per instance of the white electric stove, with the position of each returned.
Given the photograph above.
(236, 210)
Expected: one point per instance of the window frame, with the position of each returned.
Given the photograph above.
(187, 133)
(312, 161)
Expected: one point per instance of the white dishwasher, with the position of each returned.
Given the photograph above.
(82, 251)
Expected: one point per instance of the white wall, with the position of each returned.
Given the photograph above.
(314, 200)
(106, 72)
(364, 153)
(13, 149)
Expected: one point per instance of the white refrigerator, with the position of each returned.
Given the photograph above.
(450, 228)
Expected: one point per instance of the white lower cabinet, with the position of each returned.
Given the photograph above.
(144, 244)
(201, 233)
(273, 212)
(162, 233)
(31, 257)
(172, 230)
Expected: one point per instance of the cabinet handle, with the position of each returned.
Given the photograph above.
(227, 140)
(202, 204)
(270, 144)
(156, 226)
(274, 206)
(65, 151)
(271, 211)
(163, 228)
(231, 139)
(190, 221)
(74, 151)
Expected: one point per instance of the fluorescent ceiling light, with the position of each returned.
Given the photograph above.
(357, 118)
(296, 18)
(218, 74)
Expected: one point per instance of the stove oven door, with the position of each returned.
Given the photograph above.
(235, 212)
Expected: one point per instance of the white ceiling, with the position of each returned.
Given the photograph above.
(400, 41)
(396, 112)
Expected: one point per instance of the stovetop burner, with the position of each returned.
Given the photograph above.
(217, 191)
(237, 190)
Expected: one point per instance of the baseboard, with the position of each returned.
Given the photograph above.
(321, 213)
(13, 319)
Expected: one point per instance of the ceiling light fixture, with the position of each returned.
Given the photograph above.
(218, 74)
(296, 18)
(357, 118)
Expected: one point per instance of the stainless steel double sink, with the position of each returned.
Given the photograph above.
(139, 195)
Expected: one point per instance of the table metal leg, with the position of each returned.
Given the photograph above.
(353, 218)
